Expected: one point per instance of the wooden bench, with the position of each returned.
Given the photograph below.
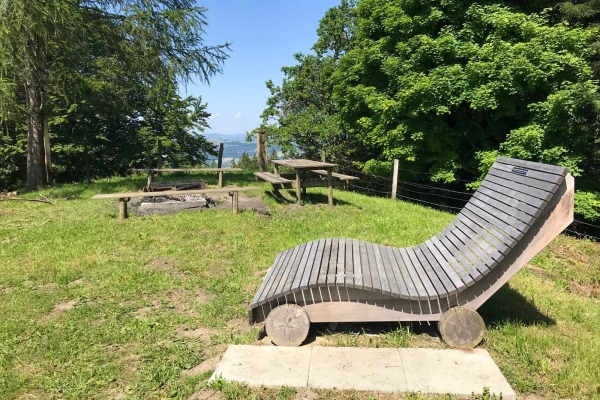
(151, 172)
(125, 197)
(518, 209)
(276, 180)
(336, 175)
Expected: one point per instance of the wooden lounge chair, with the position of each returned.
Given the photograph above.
(518, 209)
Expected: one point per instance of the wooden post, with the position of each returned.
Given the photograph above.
(395, 180)
(234, 204)
(275, 169)
(323, 155)
(220, 159)
(159, 157)
(123, 208)
(330, 186)
(220, 178)
(298, 187)
(263, 165)
(150, 176)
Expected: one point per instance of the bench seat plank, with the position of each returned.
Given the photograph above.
(421, 274)
(446, 267)
(272, 178)
(336, 175)
(396, 260)
(383, 278)
(436, 280)
(551, 169)
(531, 173)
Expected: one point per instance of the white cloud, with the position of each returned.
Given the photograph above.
(215, 115)
(238, 115)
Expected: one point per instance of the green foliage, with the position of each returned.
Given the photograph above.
(435, 84)
(247, 163)
(106, 75)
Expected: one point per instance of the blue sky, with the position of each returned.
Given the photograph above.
(265, 36)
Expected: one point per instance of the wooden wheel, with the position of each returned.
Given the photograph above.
(287, 325)
(461, 327)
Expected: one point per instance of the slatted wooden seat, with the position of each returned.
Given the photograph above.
(275, 180)
(336, 175)
(518, 209)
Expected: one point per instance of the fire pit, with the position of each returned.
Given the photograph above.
(174, 201)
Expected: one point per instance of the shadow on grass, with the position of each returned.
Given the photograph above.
(509, 306)
(308, 198)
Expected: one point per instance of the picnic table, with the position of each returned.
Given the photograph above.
(151, 172)
(308, 174)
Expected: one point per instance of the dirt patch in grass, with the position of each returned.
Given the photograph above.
(204, 366)
(201, 333)
(184, 301)
(60, 308)
(145, 312)
(79, 281)
(244, 203)
(588, 289)
(47, 287)
(168, 265)
(206, 394)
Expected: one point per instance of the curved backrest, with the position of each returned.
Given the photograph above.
(513, 195)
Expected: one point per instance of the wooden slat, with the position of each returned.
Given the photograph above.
(532, 201)
(325, 263)
(551, 169)
(186, 169)
(364, 264)
(295, 285)
(527, 190)
(421, 274)
(499, 233)
(441, 271)
(454, 237)
(272, 275)
(349, 264)
(389, 272)
(475, 236)
(459, 256)
(502, 215)
(277, 279)
(505, 208)
(541, 185)
(511, 201)
(399, 269)
(287, 270)
(531, 173)
(295, 270)
(498, 223)
(421, 293)
(336, 175)
(316, 268)
(173, 193)
(357, 265)
(482, 232)
(375, 279)
(438, 283)
(434, 256)
(452, 261)
(385, 284)
(265, 281)
(312, 253)
(303, 164)
(486, 260)
(340, 272)
(331, 266)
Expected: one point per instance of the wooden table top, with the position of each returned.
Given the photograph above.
(304, 164)
(185, 169)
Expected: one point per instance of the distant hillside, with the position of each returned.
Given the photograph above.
(223, 136)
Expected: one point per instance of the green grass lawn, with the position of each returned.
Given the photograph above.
(92, 307)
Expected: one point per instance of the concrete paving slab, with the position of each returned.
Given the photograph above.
(430, 371)
(268, 366)
(357, 368)
(453, 372)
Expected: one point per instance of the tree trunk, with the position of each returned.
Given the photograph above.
(88, 169)
(34, 94)
(36, 165)
(48, 153)
(159, 157)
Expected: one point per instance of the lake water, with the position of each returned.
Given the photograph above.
(235, 148)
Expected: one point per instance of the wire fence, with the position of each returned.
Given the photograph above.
(439, 197)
